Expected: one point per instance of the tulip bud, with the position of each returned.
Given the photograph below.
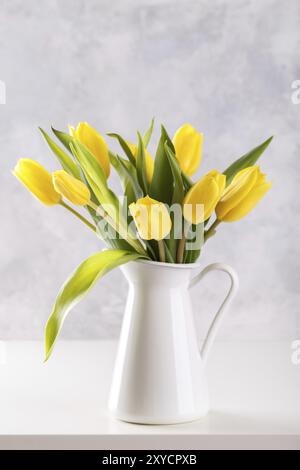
(203, 195)
(71, 188)
(244, 192)
(94, 142)
(151, 218)
(149, 161)
(188, 148)
(38, 180)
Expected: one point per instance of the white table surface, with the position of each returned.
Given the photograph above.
(254, 387)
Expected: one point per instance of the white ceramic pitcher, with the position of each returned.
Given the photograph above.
(159, 375)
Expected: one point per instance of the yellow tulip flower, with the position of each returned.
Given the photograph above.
(71, 188)
(245, 191)
(149, 160)
(200, 201)
(94, 142)
(188, 148)
(38, 180)
(151, 218)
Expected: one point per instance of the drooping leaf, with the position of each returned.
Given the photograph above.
(124, 146)
(148, 134)
(246, 160)
(141, 170)
(78, 285)
(161, 187)
(66, 162)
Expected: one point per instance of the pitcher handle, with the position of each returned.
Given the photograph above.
(212, 331)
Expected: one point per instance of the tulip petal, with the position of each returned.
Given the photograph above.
(241, 185)
(94, 142)
(152, 218)
(38, 180)
(188, 146)
(71, 188)
(148, 160)
(206, 192)
(248, 203)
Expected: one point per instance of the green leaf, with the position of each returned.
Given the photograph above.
(161, 187)
(66, 162)
(63, 137)
(96, 178)
(188, 183)
(151, 252)
(130, 198)
(178, 187)
(141, 165)
(177, 198)
(170, 258)
(78, 285)
(127, 173)
(124, 146)
(191, 255)
(246, 160)
(153, 249)
(148, 134)
(107, 235)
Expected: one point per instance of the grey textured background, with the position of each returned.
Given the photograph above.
(224, 66)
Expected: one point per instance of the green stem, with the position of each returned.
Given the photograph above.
(150, 250)
(211, 231)
(79, 216)
(180, 249)
(162, 251)
(169, 257)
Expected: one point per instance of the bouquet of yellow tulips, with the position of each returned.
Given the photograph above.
(163, 214)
